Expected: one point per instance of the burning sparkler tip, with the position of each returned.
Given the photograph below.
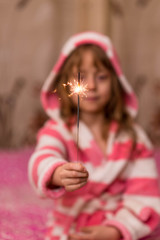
(76, 87)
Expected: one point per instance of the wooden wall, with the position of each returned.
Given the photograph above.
(31, 35)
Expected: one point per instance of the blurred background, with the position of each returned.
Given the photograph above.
(32, 33)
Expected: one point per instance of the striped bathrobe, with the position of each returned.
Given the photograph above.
(122, 189)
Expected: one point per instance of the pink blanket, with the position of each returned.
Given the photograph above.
(22, 213)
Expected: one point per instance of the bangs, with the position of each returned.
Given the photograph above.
(75, 59)
(100, 58)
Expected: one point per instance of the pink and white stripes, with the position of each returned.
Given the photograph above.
(122, 188)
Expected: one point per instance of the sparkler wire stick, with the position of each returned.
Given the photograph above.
(78, 118)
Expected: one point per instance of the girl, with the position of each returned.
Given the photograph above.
(112, 192)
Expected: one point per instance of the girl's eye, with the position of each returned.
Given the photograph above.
(102, 77)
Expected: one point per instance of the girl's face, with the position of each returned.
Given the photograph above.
(98, 80)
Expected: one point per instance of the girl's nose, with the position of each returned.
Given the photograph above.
(91, 83)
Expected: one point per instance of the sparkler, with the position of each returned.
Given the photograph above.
(78, 88)
(78, 92)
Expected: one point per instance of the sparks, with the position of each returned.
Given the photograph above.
(77, 88)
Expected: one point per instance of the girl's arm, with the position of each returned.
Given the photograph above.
(49, 171)
(50, 152)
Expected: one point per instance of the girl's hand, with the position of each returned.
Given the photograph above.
(71, 176)
(97, 233)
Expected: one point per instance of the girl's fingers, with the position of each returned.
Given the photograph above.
(74, 238)
(71, 188)
(73, 174)
(73, 181)
(75, 167)
(87, 229)
(81, 236)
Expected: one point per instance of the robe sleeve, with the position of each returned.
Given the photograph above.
(50, 152)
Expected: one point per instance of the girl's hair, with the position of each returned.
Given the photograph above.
(115, 108)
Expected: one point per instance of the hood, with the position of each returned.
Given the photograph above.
(50, 101)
